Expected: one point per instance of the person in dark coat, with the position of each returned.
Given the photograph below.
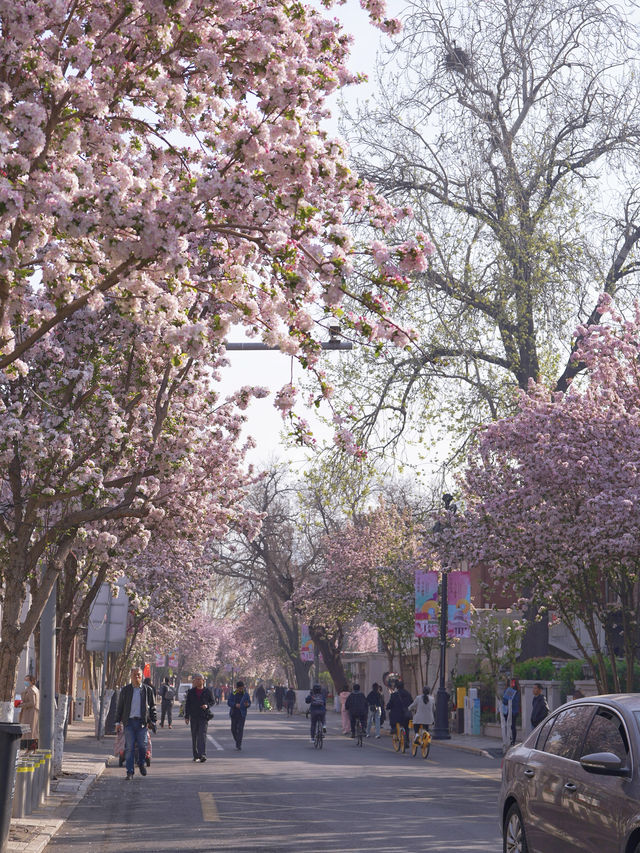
(197, 711)
(289, 701)
(398, 707)
(358, 709)
(317, 710)
(167, 695)
(259, 696)
(238, 702)
(136, 713)
(539, 707)
(374, 701)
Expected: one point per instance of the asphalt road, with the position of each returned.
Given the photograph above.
(280, 794)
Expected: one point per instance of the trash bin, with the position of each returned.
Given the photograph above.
(10, 735)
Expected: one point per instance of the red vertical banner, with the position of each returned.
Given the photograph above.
(459, 601)
(426, 604)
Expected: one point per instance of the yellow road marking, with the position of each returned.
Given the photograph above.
(210, 812)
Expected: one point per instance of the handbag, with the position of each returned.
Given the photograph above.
(208, 714)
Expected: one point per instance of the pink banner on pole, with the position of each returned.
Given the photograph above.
(173, 659)
(160, 660)
(459, 601)
(306, 645)
(426, 606)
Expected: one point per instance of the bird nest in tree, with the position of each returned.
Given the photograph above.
(457, 59)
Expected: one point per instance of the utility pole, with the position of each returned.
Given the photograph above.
(48, 671)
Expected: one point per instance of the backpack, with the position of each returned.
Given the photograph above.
(168, 693)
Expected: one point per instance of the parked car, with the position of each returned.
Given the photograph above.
(574, 783)
(182, 690)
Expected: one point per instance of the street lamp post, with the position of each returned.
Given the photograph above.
(441, 728)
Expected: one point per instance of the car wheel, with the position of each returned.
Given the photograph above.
(514, 839)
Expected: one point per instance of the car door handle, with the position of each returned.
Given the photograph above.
(529, 772)
(569, 786)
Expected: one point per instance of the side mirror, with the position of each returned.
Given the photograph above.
(604, 763)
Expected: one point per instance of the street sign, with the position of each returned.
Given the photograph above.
(107, 627)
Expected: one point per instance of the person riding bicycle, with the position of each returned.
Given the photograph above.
(358, 709)
(422, 709)
(317, 709)
(398, 707)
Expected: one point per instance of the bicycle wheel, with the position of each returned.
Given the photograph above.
(414, 746)
(318, 739)
(395, 738)
(425, 746)
(403, 741)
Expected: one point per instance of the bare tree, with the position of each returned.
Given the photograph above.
(512, 128)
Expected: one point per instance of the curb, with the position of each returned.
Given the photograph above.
(40, 827)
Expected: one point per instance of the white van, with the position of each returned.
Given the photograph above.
(182, 690)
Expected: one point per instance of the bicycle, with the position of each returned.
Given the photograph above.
(398, 739)
(359, 732)
(423, 740)
(319, 737)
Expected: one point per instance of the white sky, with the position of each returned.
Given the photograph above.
(274, 369)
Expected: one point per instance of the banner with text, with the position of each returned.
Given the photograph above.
(160, 660)
(459, 600)
(426, 615)
(173, 660)
(306, 645)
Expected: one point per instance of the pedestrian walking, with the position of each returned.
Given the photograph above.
(346, 720)
(136, 713)
(511, 706)
(259, 696)
(374, 701)
(197, 713)
(238, 703)
(539, 706)
(30, 712)
(289, 701)
(423, 710)
(167, 695)
(279, 691)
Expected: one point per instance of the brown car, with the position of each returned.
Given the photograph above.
(574, 784)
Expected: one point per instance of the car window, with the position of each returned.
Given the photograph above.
(567, 732)
(607, 734)
(544, 731)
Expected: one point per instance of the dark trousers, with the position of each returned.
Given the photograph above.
(199, 737)
(363, 722)
(290, 709)
(237, 728)
(316, 717)
(166, 710)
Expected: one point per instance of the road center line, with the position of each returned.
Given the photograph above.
(209, 808)
(218, 746)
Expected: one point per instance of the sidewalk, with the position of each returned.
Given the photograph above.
(84, 760)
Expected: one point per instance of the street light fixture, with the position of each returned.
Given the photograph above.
(441, 729)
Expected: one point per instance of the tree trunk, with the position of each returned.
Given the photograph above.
(301, 670)
(332, 655)
(58, 732)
